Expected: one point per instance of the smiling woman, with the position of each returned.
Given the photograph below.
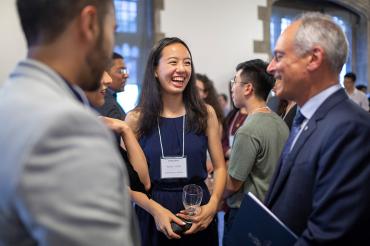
(175, 129)
(97, 98)
(174, 68)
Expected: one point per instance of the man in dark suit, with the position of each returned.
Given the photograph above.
(322, 184)
(119, 74)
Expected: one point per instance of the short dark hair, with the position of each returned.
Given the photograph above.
(43, 21)
(351, 76)
(117, 56)
(255, 72)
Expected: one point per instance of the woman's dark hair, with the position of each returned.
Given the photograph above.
(227, 122)
(228, 118)
(211, 92)
(281, 110)
(150, 103)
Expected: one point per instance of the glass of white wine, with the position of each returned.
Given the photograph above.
(192, 195)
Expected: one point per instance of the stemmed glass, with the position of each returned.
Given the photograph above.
(192, 195)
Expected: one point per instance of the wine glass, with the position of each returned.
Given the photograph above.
(192, 195)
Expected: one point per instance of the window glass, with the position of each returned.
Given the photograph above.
(284, 16)
(134, 38)
(126, 14)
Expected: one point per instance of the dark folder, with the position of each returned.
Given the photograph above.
(254, 224)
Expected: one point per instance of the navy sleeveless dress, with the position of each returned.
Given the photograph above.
(168, 192)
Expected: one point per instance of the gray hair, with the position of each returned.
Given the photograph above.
(320, 29)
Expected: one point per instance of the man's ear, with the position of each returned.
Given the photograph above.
(89, 23)
(315, 58)
(248, 89)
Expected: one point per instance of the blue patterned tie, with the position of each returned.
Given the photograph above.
(296, 126)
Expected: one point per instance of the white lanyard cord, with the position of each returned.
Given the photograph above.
(183, 137)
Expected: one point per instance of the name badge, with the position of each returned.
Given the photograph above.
(173, 167)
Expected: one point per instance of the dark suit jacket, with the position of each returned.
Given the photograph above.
(323, 191)
(111, 108)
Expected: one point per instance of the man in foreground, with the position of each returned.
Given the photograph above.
(322, 184)
(62, 181)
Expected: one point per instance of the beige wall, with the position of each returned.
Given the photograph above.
(220, 33)
(12, 42)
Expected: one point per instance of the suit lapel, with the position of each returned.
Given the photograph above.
(283, 172)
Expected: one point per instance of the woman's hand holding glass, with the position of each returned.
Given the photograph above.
(163, 218)
(201, 219)
(200, 216)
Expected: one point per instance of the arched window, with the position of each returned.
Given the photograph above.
(134, 37)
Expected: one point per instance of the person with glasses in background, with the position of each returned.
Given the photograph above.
(119, 74)
(258, 142)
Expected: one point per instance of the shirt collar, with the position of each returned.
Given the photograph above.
(310, 107)
(78, 93)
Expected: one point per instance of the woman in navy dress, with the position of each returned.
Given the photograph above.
(175, 129)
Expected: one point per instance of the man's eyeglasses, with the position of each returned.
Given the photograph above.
(233, 82)
(122, 71)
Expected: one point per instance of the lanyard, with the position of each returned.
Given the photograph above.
(183, 137)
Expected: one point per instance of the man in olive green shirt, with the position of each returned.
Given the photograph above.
(258, 143)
